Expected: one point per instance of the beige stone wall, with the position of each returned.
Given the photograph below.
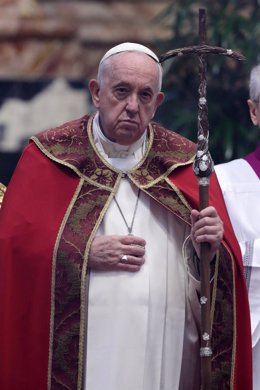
(67, 38)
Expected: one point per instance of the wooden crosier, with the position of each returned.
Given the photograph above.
(203, 168)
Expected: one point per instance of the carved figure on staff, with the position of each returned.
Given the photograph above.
(100, 233)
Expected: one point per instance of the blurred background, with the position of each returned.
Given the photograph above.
(50, 49)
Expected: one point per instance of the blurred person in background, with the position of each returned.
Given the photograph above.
(239, 180)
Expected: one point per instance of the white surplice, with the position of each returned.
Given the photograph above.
(241, 190)
(142, 333)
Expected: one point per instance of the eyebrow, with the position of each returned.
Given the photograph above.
(126, 84)
(121, 83)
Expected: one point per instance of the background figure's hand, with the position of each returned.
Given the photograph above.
(206, 227)
(106, 252)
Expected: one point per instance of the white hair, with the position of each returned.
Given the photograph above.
(254, 83)
(128, 47)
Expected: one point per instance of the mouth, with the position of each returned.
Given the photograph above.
(129, 123)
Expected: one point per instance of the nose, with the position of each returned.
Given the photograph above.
(132, 105)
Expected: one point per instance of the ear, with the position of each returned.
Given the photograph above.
(93, 86)
(159, 99)
(158, 102)
(253, 111)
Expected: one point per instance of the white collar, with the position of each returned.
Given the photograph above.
(123, 157)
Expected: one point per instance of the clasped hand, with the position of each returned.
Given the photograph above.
(106, 253)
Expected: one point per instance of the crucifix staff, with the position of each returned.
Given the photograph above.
(203, 168)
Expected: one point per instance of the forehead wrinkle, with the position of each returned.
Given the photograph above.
(119, 60)
(132, 76)
(129, 65)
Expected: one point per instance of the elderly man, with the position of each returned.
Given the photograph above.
(239, 181)
(98, 269)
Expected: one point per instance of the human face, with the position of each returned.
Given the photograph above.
(127, 96)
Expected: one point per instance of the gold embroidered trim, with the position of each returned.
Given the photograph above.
(83, 305)
(232, 376)
(132, 172)
(91, 139)
(111, 190)
(178, 192)
(214, 292)
(164, 176)
(2, 192)
(232, 379)
(51, 157)
(54, 260)
(164, 205)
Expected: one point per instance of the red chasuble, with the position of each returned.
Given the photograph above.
(52, 208)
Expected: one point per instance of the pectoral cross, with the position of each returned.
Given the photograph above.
(203, 168)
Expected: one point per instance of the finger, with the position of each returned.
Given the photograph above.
(194, 216)
(133, 240)
(209, 211)
(210, 235)
(204, 225)
(134, 250)
(208, 229)
(130, 265)
(129, 258)
(208, 238)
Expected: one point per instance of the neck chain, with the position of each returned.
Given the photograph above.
(129, 228)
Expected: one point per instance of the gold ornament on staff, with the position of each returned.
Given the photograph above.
(203, 168)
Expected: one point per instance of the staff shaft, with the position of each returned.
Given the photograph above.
(203, 168)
